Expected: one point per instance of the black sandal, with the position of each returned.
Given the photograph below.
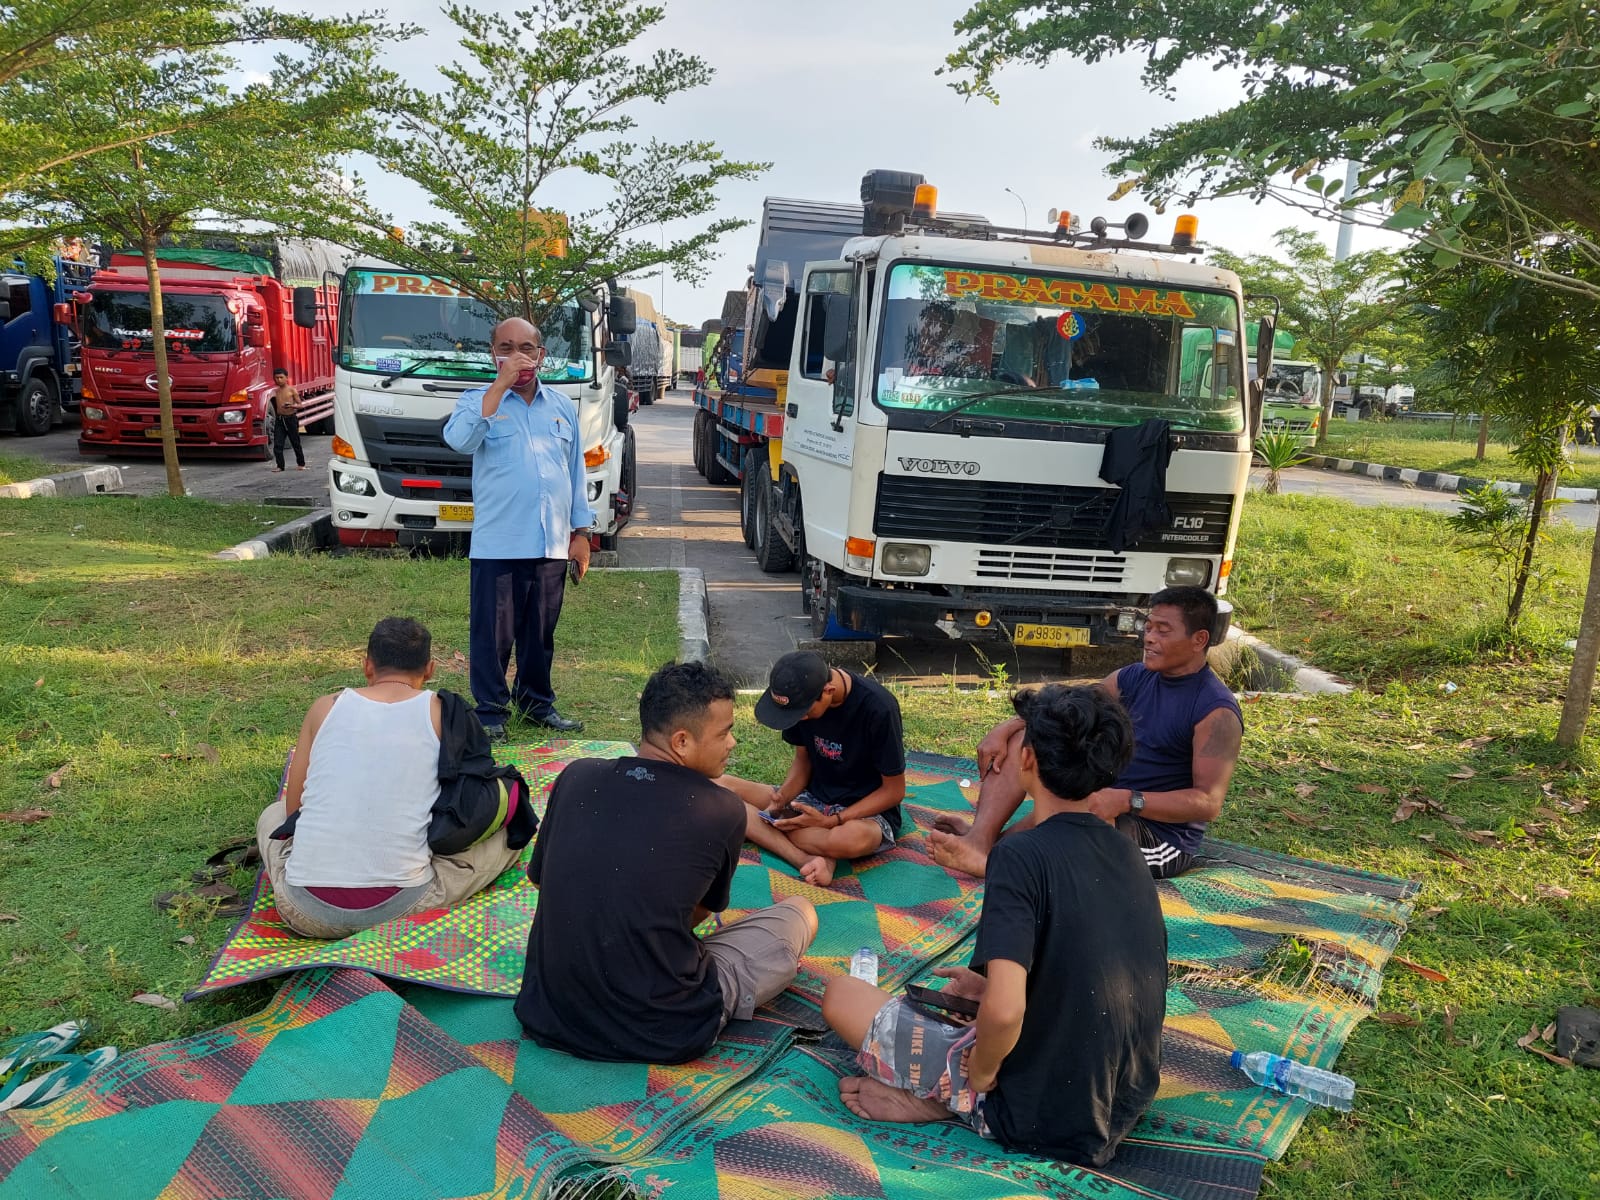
(225, 900)
(234, 856)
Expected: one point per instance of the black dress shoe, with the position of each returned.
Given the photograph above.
(554, 720)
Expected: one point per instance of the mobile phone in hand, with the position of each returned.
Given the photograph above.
(572, 571)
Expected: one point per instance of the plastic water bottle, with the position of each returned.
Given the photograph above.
(1296, 1079)
(864, 965)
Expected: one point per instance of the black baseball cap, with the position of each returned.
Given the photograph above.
(795, 684)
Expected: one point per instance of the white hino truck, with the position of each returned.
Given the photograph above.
(408, 346)
(917, 406)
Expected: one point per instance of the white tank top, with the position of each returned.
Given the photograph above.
(370, 788)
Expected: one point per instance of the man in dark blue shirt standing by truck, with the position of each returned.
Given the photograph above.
(530, 518)
(1187, 729)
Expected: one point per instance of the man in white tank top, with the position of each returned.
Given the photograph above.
(360, 792)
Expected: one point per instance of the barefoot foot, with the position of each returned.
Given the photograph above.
(879, 1102)
(957, 853)
(950, 823)
(818, 871)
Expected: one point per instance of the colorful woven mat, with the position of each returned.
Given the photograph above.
(341, 1089)
(785, 1134)
(477, 946)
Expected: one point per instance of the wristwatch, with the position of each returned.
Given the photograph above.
(1136, 801)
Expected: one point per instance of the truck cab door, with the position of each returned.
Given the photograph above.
(819, 413)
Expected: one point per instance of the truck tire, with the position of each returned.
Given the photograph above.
(36, 407)
(821, 607)
(697, 441)
(269, 423)
(747, 495)
(717, 475)
(647, 394)
(629, 483)
(619, 405)
(772, 553)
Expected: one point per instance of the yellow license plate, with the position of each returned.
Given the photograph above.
(152, 431)
(455, 512)
(1051, 635)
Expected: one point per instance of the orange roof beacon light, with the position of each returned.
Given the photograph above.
(1185, 231)
(1063, 220)
(925, 201)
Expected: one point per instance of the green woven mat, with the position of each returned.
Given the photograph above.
(477, 946)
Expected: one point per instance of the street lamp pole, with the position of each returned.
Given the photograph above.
(1024, 204)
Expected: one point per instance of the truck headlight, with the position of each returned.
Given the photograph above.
(93, 414)
(232, 416)
(353, 484)
(906, 558)
(1188, 572)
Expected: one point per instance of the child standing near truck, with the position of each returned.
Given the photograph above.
(286, 422)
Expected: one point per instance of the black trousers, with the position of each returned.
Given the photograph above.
(514, 601)
(287, 427)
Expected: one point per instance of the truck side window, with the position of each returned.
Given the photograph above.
(814, 364)
(18, 293)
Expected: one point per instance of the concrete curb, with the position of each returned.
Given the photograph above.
(1438, 480)
(88, 482)
(314, 531)
(1269, 669)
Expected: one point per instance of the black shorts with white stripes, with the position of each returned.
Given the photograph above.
(1164, 858)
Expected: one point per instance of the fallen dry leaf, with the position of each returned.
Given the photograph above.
(1404, 1020)
(1313, 720)
(1474, 743)
(1546, 813)
(1551, 892)
(1290, 815)
(1484, 837)
(1417, 746)
(1305, 790)
(156, 1000)
(1372, 789)
(53, 780)
(1450, 854)
(186, 940)
(8, 918)
(207, 751)
(1452, 819)
(1419, 969)
(1463, 773)
(1405, 811)
(1450, 1014)
(1424, 837)
(25, 816)
(1546, 1054)
(1429, 913)
(1529, 1038)
(1328, 766)
(1548, 1033)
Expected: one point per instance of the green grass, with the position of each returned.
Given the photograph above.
(144, 649)
(1428, 446)
(161, 689)
(15, 467)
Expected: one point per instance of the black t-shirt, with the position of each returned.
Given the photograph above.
(628, 849)
(852, 747)
(1072, 901)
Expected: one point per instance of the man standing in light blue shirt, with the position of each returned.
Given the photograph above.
(531, 515)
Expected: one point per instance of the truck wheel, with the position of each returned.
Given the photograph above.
(36, 407)
(772, 553)
(697, 440)
(619, 405)
(717, 475)
(269, 426)
(747, 495)
(821, 607)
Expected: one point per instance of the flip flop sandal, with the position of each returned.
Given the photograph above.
(52, 1085)
(228, 902)
(19, 1053)
(232, 857)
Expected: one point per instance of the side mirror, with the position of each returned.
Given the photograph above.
(255, 335)
(5, 310)
(622, 316)
(1266, 338)
(589, 302)
(836, 327)
(305, 307)
(618, 354)
(63, 314)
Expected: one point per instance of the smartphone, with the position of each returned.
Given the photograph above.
(572, 572)
(783, 814)
(960, 1006)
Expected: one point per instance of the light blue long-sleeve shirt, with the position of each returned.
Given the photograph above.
(528, 486)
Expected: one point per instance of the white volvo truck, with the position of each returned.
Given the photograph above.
(409, 345)
(923, 407)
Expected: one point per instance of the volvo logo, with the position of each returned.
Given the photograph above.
(939, 466)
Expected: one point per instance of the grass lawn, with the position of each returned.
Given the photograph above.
(148, 695)
(16, 467)
(144, 649)
(1428, 446)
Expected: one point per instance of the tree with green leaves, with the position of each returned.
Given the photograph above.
(1333, 309)
(1453, 110)
(228, 154)
(543, 96)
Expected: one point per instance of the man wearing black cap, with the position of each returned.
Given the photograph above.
(841, 797)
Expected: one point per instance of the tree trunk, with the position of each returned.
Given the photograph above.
(1326, 384)
(1483, 434)
(1585, 658)
(158, 342)
(1525, 566)
(1274, 482)
(1453, 417)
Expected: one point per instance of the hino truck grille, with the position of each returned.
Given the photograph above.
(403, 448)
(1012, 520)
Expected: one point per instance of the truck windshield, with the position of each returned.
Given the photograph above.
(391, 320)
(121, 321)
(1057, 348)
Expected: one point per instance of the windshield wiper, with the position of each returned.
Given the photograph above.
(415, 365)
(971, 400)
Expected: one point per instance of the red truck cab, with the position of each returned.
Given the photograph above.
(226, 332)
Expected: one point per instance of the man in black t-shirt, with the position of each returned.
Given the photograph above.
(1069, 969)
(841, 797)
(633, 854)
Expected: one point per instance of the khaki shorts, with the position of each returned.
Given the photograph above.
(756, 957)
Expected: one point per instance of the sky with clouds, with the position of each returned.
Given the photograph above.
(828, 89)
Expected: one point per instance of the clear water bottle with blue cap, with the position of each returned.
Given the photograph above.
(864, 965)
(1296, 1079)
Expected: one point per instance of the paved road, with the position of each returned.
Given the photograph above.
(1364, 490)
